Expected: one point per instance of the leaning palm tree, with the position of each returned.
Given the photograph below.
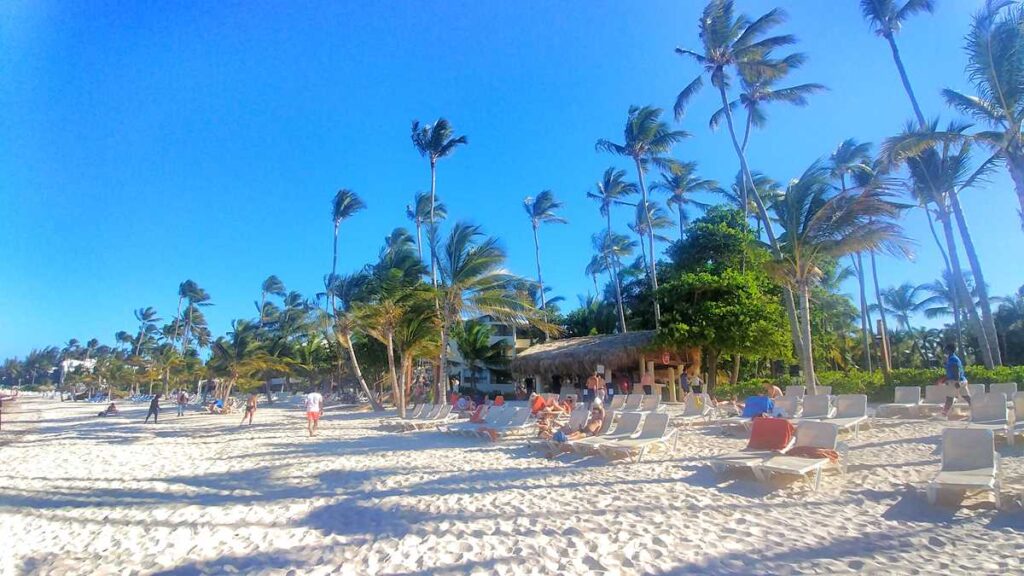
(646, 140)
(649, 223)
(419, 214)
(542, 209)
(347, 291)
(184, 289)
(995, 66)
(147, 318)
(345, 205)
(594, 269)
(739, 44)
(433, 143)
(612, 248)
(886, 18)
(681, 183)
(273, 286)
(194, 320)
(902, 302)
(821, 224)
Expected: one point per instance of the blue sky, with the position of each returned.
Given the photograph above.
(145, 143)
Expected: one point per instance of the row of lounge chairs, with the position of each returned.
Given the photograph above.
(845, 411)
(634, 435)
(420, 417)
(908, 400)
(499, 422)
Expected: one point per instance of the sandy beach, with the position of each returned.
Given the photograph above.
(199, 495)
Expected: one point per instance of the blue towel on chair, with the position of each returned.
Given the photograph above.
(758, 405)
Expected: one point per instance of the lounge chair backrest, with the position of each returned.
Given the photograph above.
(976, 390)
(1008, 388)
(572, 397)
(989, 408)
(851, 405)
(432, 413)
(935, 393)
(618, 401)
(633, 402)
(795, 391)
(823, 390)
(817, 406)
(416, 411)
(817, 435)
(650, 403)
(696, 405)
(503, 417)
(578, 417)
(967, 449)
(628, 424)
(520, 418)
(549, 397)
(609, 417)
(788, 406)
(443, 412)
(908, 395)
(1018, 406)
(655, 426)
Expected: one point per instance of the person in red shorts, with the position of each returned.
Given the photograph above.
(314, 410)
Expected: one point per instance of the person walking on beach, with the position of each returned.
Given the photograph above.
(154, 409)
(954, 378)
(182, 401)
(597, 387)
(314, 410)
(250, 409)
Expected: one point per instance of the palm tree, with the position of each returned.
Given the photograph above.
(542, 209)
(594, 268)
(903, 301)
(473, 282)
(345, 204)
(612, 248)
(610, 190)
(475, 347)
(239, 357)
(647, 139)
(194, 320)
(820, 224)
(147, 318)
(433, 143)
(184, 289)
(680, 183)
(419, 214)
(945, 301)
(995, 68)
(649, 223)
(346, 291)
(886, 18)
(739, 43)
(272, 285)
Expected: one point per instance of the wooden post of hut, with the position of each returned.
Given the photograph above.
(672, 383)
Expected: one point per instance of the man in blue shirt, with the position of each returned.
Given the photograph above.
(955, 379)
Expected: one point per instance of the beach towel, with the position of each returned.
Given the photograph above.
(475, 416)
(812, 452)
(770, 434)
(756, 406)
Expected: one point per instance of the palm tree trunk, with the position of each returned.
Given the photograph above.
(807, 353)
(643, 255)
(680, 218)
(399, 393)
(787, 294)
(614, 273)
(979, 280)
(419, 238)
(886, 359)
(1015, 164)
(540, 279)
(964, 295)
(263, 303)
(957, 324)
(597, 292)
(865, 322)
(650, 238)
(735, 376)
(906, 81)
(334, 270)
(433, 230)
(359, 373)
(442, 379)
(177, 318)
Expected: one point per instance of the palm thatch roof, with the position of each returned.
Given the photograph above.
(581, 355)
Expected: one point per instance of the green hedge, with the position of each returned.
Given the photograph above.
(872, 384)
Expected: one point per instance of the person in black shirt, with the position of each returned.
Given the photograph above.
(154, 409)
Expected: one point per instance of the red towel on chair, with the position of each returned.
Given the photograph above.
(770, 434)
(812, 452)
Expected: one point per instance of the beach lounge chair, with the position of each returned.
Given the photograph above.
(655, 433)
(628, 424)
(969, 462)
(633, 402)
(577, 418)
(810, 435)
(753, 407)
(1008, 388)
(648, 403)
(468, 427)
(851, 412)
(934, 399)
(498, 417)
(975, 390)
(519, 425)
(795, 391)
(697, 408)
(822, 390)
(617, 403)
(989, 412)
(787, 407)
(906, 401)
(1018, 411)
(816, 408)
(438, 416)
(768, 437)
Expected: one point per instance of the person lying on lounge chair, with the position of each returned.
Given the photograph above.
(591, 428)
(110, 411)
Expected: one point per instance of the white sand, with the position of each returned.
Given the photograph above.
(197, 495)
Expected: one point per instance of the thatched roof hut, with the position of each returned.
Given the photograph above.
(581, 355)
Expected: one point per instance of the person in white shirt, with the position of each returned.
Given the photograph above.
(314, 410)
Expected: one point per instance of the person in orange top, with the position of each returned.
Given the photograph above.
(537, 403)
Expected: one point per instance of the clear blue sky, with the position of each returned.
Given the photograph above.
(145, 143)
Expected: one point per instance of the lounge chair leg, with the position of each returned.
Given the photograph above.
(817, 479)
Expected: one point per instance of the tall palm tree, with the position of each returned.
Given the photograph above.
(648, 223)
(473, 282)
(680, 183)
(274, 286)
(184, 289)
(196, 298)
(419, 214)
(475, 347)
(239, 357)
(612, 248)
(646, 140)
(886, 18)
(821, 224)
(345, 204)
(542, 209)
(610, 190)
(995, 67)
(433, 143)
(346, 292)
(902, 302)
(594, 268)
(147, 318)
(741, 44)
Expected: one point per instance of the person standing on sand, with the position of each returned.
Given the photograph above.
(154, 409)
(592, 384)
(954, 377)
(182, 401)
(314, 410)
(250, 409)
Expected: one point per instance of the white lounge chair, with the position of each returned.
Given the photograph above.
(617, 402)
(495, 419)
(436, 420)
(1008, 388)
(519, 425)
(577, 418)
(468, 428)
(810, 434)
(697, 408)
(816, 408)
(822, 390)
(787, 407)
(633, 402)
(655, 433)
(627, 425)
(907, 400)
(795, 391)
(989, 412)
(934, 399)
(648, 403)
(969, 462)
(746, 459)
(1018, 412)
(851, 412)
